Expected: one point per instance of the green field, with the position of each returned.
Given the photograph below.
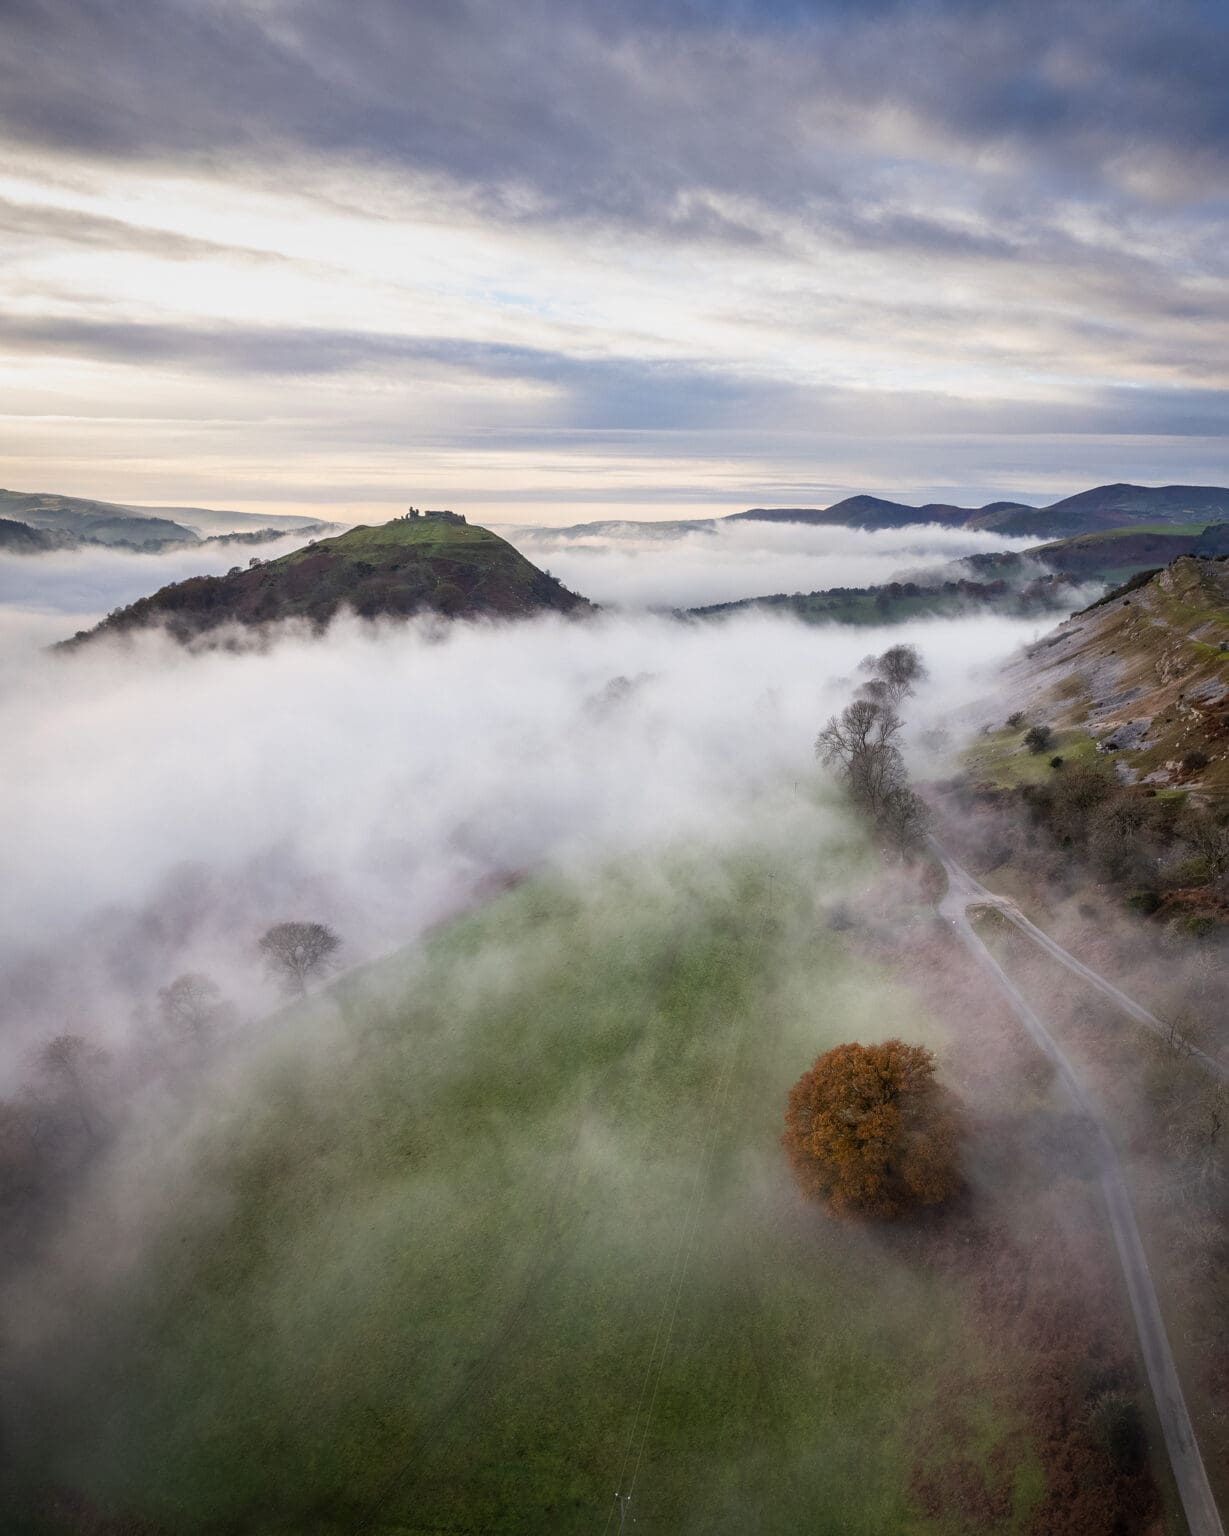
(500, 1225)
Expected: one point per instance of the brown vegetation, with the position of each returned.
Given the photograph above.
(870, 1132)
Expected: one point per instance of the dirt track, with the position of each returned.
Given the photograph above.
(1190, 1475)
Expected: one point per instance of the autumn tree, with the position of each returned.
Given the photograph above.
(869, 1131)
(299, 952)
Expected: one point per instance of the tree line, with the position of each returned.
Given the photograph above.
(75, 1094)
(862, 744)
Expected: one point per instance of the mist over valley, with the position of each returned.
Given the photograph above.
(614, 769)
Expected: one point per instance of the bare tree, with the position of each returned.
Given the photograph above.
(1198, 1134)
(192, 1007)
(861, 743)
(71, 1066)
(901, 669)
(1209, 837)
(904, 820)
(299, 953)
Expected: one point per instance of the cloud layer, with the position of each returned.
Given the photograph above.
(635, 567)
(158, 809)
(561, 253)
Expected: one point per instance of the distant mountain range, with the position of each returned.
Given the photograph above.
(435, 563)
(78, 520)
(1103, 507)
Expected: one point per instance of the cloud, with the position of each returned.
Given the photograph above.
(159, 809)
(719, 563)
(53, 225)
(562, 101)
(499, 226)
(88, 582)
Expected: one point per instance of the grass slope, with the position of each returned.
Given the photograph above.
(102, 522)
(897, 601)
(415, 1262)
(1145, 673)
(396, 570)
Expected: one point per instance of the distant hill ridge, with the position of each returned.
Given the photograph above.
(78, 519)
(437, 564)
(1101, 508)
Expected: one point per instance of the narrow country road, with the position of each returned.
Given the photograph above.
(1189, 1472)
(978, 895)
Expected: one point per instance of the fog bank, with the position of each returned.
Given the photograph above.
(721, 562)
(159, 808)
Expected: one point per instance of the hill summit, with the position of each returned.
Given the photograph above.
(421, 563)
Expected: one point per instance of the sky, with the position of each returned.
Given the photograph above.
(550, 261)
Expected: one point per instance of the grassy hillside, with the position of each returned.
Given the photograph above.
(1112, 506)
(466, 1240)
(113, 522)
(396, 570)
(1145, 673)
(22, 539)
(101, 522)
(1113, 555)
(896, 601)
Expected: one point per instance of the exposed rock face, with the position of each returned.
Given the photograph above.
(1145, 672)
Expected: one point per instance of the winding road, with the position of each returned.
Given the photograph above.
(1189, 1472)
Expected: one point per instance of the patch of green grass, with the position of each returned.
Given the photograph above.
(415, 1261)
(1108, 535)
(424, 539)
(1001, 759)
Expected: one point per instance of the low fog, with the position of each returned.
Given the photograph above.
(641, 567)
(531, 1107)
(159, 808)
(45, 597)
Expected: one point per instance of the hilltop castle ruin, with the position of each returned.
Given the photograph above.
(438, 517)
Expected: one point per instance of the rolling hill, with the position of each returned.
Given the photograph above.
(1103, 507)
(431, 564)
(868, 512)
(894, 602)
(18, 538)
(99, 522)
(78, 519)
(1112, 555)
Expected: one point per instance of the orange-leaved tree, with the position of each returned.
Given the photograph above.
(869, 1130)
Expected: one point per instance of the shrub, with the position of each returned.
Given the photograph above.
(1056, 762)
(1116, 1424)
(1194, 760)
(1016, 720)
(1038, 737)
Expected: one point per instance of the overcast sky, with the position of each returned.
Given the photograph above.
(545, 261)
